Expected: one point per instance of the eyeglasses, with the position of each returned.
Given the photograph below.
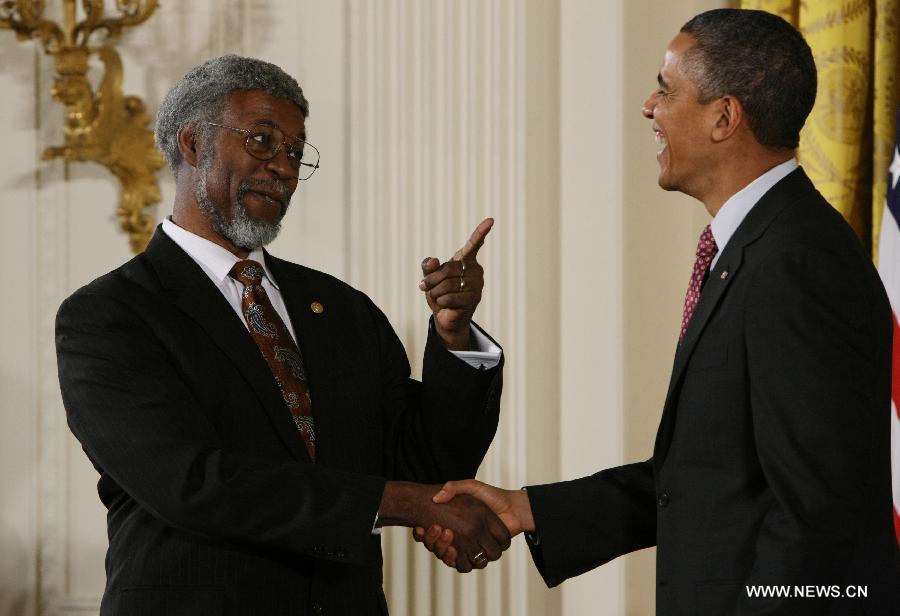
(264, 142)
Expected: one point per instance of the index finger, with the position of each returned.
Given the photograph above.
(475, 241)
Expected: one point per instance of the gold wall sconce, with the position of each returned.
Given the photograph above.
(105, 126)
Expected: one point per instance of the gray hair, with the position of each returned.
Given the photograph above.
(200, 95)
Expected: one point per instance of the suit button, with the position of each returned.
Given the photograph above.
(663, 500)
(317, 609)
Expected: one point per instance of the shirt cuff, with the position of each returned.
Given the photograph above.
(485, 354)
(376, 530)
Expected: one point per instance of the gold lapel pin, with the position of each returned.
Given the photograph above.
(317, 307)
(724, 275)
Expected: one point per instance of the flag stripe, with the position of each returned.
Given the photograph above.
(895, 459)
(892, 206)
(896, 522)
(889, 268)
(895, 377)
(889, 258)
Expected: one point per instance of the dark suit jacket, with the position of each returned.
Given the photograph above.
(771, 463)
(214, 506)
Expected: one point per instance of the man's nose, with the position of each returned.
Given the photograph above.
(647, 108)
(281, 167)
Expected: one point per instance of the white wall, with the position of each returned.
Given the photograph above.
(430, 115)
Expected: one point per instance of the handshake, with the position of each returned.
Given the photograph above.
(469, 523)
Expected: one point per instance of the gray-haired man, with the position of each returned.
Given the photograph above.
(253, 420)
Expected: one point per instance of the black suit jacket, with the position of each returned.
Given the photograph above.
(771, 463)
(214, 506)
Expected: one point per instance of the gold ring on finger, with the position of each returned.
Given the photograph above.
(479, 560)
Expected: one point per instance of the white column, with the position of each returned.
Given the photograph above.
(591, 422)
(437, 142)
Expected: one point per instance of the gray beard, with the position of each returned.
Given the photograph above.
(243, 231)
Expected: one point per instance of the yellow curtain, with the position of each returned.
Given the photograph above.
(848, 139)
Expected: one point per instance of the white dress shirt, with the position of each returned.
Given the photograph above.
(733, 211)
(216, 262)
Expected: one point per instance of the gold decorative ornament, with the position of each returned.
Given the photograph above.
(106, 126)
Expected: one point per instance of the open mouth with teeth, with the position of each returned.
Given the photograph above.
(660, 141)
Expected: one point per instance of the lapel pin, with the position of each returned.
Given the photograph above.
(724, 275)
(317, 307)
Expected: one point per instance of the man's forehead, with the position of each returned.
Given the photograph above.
(252, 106)
(674, 54)
(678, 46)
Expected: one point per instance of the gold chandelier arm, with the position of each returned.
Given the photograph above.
(133, 12)
(136, 11)
(104, 125)
(93, 11)
(26, 19)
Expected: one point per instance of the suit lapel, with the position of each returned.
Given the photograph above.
(795, 185)
(718, 281)
(195, 295)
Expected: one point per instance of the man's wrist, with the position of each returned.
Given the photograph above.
(522, 507)
(401, 502)
(455, 341)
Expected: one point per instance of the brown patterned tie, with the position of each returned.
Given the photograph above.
(278, 348)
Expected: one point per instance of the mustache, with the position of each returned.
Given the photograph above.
(276, 186)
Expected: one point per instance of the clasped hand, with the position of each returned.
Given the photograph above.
(511, 507)
(478, 535)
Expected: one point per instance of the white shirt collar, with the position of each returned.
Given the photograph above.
(215, 260)
(733, 211)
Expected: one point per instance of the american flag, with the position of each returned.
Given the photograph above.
(889, 267)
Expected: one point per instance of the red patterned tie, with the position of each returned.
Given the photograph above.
(706, 250)
(278, 348)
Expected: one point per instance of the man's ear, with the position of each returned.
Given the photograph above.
(729, 116)
(188, 145)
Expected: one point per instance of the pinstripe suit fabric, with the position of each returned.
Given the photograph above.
(213, 504)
